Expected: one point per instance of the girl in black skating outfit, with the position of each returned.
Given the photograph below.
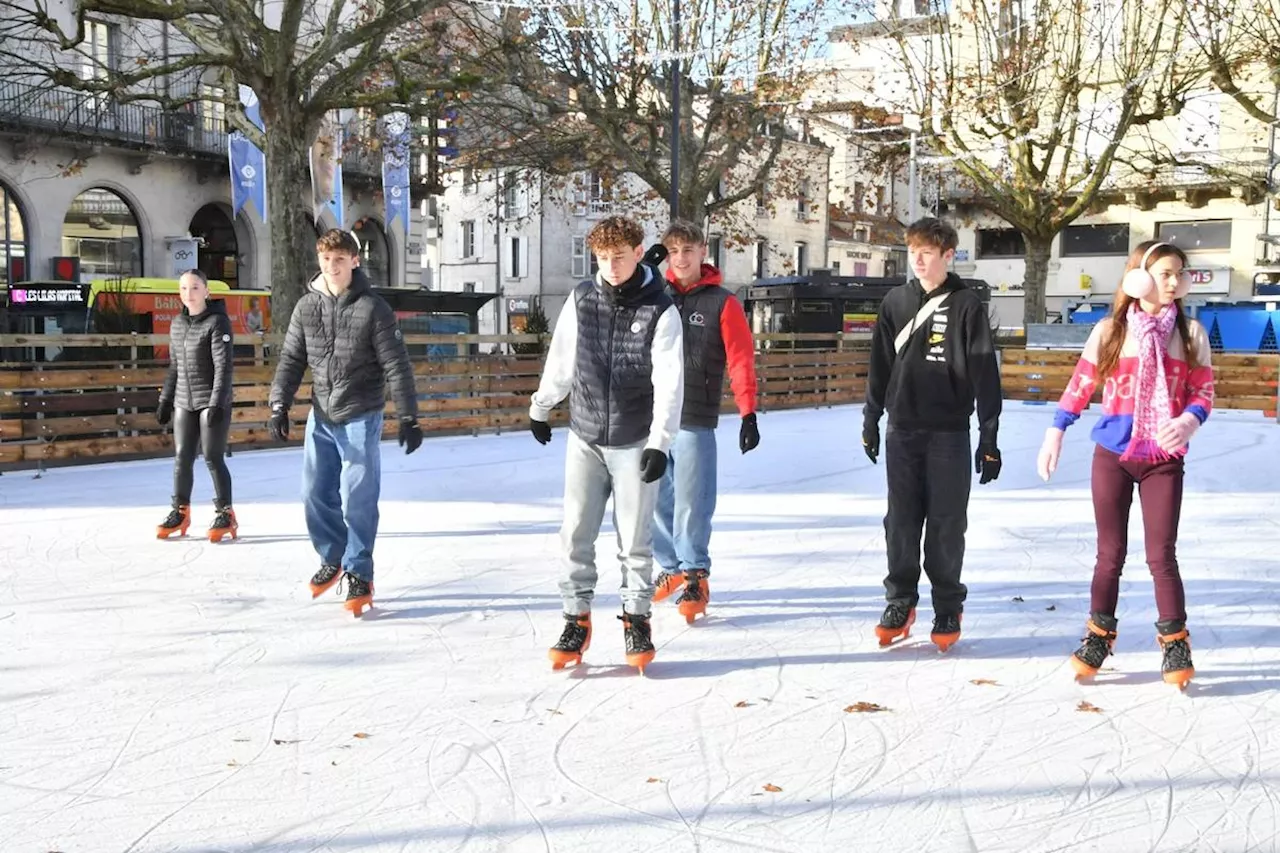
(197, 398)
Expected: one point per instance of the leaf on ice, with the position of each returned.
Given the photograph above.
(361, 735)
(233, 763)
(984, 681)
(240, 740)
(652, 779)
(1088, 707)
(1017, 598)
(279, 742)
(550, 711)
(772, 788)
(1052, 607)
(864, 708)
(743, 704)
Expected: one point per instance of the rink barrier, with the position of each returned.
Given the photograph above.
(96, 409)
(1240, 381)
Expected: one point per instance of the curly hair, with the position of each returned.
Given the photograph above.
(337, 240)
(615, 232)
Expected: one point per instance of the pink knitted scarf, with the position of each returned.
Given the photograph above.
(1151, 404)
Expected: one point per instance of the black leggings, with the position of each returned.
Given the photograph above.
(191, 430)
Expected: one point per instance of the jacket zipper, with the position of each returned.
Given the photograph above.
(608, 376)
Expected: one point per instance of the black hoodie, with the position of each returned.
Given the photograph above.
(200, 359)
(947, 363)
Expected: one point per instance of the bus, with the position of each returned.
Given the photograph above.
(114, 306)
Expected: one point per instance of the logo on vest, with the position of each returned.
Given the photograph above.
(636, 327)
(696, 319)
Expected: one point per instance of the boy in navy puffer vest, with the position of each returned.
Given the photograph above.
(616, 353)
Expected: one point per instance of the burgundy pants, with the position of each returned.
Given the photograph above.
(1160, 490)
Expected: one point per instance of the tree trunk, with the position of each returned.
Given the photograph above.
(1039, 249)
(293, 238)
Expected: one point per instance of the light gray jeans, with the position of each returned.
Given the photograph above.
(591, 474)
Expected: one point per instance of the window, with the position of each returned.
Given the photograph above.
(761, 267)
(101, 49)
(584, 263)
(469, 180)
(512, 197)
(715, 252)
(802, 258)
(1207, 236)
(467, 239)
(1095, 240)
(859, 197)
(601, 196)
(835, 268)
(802, 201)
(213, 112)
(468, 287)
(1000, 243)
(762, 203)
(860, 268)
(862, 234)
(517, 257)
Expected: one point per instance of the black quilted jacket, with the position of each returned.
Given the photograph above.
(200, 358)
(353, 347)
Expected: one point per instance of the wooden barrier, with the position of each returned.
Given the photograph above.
(1240, 381)
(68, 412)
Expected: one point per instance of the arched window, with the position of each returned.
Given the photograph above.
(13, 239)
(102, 231)
(219, 252)
(375, 254)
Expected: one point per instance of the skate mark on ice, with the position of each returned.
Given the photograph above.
(505, 776)
(266, 744)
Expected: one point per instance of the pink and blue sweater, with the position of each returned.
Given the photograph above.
(1190, 389)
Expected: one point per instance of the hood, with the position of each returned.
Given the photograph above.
(359, 286)
(952, 283)
(213, 306)
(642, 283)
(711, 277)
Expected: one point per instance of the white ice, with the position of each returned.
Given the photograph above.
(183, 696)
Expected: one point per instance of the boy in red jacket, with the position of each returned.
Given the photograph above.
(716, 338)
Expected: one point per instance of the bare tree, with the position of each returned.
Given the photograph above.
(1240, 39)
(1035, 110)
(588, 86)
(310, 59)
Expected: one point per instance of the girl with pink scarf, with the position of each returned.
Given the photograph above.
(1151, 364)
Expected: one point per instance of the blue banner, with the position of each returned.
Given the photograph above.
(395, 168)
(248, 163)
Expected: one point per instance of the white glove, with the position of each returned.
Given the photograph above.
(1047, 461)
(1177, 432)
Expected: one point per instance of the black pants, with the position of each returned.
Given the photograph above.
(929, 475)
(191, 431)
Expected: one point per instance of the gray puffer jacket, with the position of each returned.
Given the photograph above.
(353, 347)
(200, 359)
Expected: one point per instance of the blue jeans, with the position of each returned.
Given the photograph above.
(341, 478)
(686, 502)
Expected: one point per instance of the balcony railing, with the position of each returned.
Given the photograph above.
(66, 112)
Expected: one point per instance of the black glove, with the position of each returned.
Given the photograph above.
(278, 426)
(217, 414)
(871, 440)
(657, 254)
(541, 430)
(748, 433)
(987, 463)
(653, 464)
(410, 435)
(164, 413)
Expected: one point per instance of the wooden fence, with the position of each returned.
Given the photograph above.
(1240, 381)
(67, 412)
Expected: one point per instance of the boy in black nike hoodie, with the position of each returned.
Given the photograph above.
(931, 357)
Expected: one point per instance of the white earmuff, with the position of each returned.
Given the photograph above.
(1140, 284)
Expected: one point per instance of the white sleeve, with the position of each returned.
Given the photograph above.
(667, 358)
(557, 373)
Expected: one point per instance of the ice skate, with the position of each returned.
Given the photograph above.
(574, 640)
(359, 595)
(327, 576)
(177, 521)
(946, 631)
(667, 585)
(1095, 647)
(1176, 665)
(895, 623)
(639, 643)
(224, 524)
(697, 591)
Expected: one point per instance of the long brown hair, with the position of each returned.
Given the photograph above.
(1113, 339)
